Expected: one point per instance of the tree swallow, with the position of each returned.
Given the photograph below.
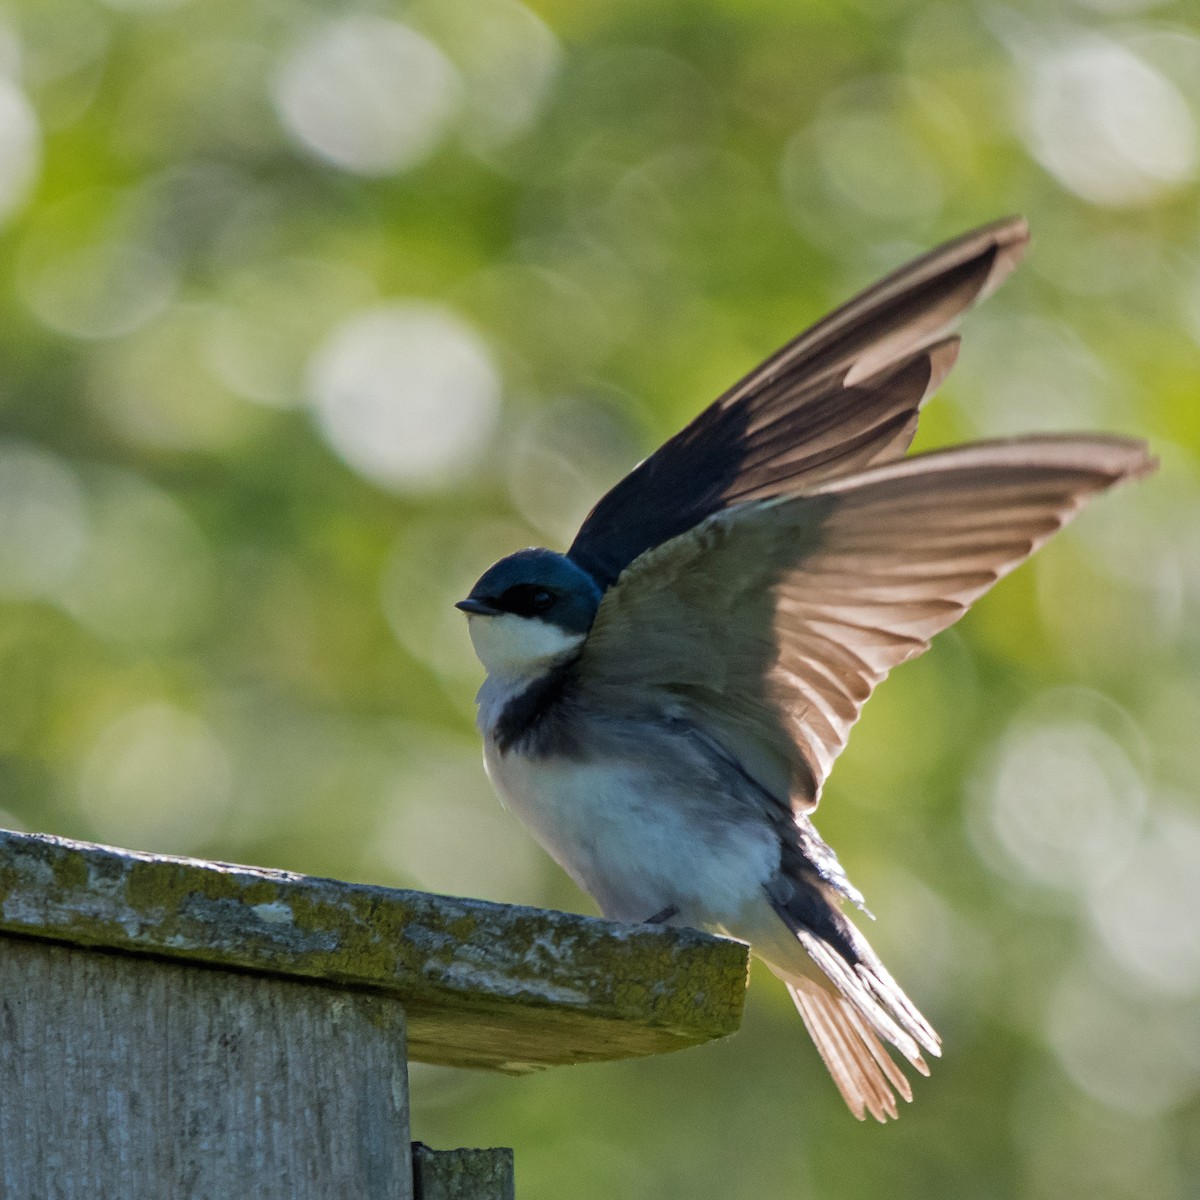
(664, 702)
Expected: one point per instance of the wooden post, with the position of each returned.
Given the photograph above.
(462, 1174)
(170, 1027)
(125, 1077)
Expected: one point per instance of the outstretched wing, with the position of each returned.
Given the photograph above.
(770, 623)
(841, 396)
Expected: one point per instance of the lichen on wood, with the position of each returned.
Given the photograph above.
(484, 985)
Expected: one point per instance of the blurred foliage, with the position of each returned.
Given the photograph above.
(311, 312)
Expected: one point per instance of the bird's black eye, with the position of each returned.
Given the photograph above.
(527, 600)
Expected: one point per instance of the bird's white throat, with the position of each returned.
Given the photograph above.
(515, 651)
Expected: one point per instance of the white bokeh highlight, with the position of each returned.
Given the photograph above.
(1061, 801)
(43, 521)
(367, 94)
(1148, 917)
(20, 148)
(1106, 125)
(406, 394)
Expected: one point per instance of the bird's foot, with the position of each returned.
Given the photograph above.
(659, 918)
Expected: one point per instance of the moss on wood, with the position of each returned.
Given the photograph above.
(484, 985)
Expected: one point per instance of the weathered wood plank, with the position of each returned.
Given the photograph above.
(123, 1077)
(484, 985)
(462, 1174)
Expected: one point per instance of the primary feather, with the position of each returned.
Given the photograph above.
(842, 395)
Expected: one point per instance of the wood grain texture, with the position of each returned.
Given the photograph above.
(462, 1174)
(126, 1077)
(483, 985)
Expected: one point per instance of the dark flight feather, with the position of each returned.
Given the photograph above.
(837, 398)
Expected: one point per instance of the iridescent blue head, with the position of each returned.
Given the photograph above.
(537, 583)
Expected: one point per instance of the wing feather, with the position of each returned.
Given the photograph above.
(770, 623)
(842, 395)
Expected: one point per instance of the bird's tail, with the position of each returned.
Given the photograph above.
(847, 1027)
(850, 1003)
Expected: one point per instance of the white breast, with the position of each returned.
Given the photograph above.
(621, 834)
(515, 651)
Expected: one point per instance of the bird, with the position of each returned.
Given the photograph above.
(663, 703)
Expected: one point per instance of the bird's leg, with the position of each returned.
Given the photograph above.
(672, 910)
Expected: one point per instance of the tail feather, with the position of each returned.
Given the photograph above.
(877, 997)
(850, 1003)
(864, 1074)
(895, 1076)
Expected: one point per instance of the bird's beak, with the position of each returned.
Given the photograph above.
(476, 607)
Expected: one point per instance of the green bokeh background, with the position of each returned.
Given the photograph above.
(240, 489)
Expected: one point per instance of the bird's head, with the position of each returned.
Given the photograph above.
(530, 611)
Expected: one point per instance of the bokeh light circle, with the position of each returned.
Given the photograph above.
(1108, 126)
(406, 394)
(367, 94)
(43, 521)
(20, 148)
